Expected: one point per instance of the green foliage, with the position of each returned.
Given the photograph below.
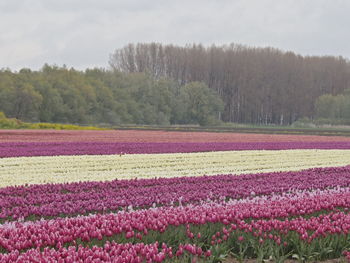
(332, 109)
(200, 103)
(303, 123)
(7, 123)
(58, 126)
(97, 96)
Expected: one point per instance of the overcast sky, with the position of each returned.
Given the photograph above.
(83, 33)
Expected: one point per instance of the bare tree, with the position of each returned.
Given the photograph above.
(257, 85)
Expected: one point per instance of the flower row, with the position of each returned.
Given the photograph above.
(110, 252)
(17, 149)
(63, 169)
(85, 197)
(264, 216)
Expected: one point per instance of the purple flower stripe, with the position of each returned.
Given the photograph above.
(17, 149)
(85, 197)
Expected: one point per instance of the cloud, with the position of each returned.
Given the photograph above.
(82, 33)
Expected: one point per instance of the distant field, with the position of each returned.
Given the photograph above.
(12, 124)
(158, 136)
(243, 128)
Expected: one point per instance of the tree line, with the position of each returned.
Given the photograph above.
(192, 84)
(257, 85)
(100, 96)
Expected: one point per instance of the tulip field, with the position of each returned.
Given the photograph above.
(157, 196)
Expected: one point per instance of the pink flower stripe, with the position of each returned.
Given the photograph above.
(18, 149)
(86, 197)
(264, 216)
(110, 252)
